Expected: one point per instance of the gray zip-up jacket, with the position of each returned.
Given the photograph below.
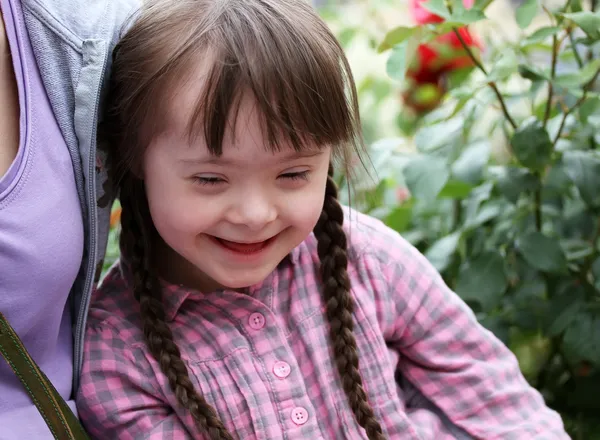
(73, 42)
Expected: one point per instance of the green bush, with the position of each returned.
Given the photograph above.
(504, 188)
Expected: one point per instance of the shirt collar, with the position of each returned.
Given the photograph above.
(174, 295)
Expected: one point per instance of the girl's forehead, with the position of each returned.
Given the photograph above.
(246, 158)
(242, 127)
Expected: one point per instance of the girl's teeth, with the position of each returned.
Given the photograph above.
(242, 247)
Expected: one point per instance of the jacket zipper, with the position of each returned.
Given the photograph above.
(92, 258)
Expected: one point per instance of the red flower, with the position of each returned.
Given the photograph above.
(443, 55)
(424, 16)
(424, 69)
(435, 60)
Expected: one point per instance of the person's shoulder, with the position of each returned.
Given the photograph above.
(80, 20)
(380, 247)
(113, 306)
(369, 235)
(369, 240)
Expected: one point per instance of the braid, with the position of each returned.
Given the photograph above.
(340, 306)
(135, 244)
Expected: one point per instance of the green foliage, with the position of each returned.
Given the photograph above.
(505, 193)
(526, 13)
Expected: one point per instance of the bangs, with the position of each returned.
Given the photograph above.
(278, 53)
(293, 69)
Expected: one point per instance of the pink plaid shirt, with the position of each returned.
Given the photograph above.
(264, 362)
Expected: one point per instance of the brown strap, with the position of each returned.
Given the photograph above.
(58, 416)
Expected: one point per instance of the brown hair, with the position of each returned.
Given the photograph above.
(282, 53)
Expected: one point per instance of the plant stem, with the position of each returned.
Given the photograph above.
(575, 52)
(587, 265)
(492, 84)
(552, 75)
(577, 104)
(457, 214)
(537, 204)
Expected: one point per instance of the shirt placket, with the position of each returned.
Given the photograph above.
(281, 372)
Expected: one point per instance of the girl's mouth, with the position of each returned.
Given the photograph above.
(244, 248)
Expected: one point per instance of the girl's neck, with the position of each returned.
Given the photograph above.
(174, 269)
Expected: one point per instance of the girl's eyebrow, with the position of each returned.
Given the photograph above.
(215, 160)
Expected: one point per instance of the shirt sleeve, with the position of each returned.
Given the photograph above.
(118, 398)
(454, 361)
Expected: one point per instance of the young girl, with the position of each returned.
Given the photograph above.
(248, 303)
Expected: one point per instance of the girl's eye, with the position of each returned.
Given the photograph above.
(210, 180)
(301, 175)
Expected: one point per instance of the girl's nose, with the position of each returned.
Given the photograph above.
(254, 209)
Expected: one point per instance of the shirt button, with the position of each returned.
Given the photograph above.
(282, 369)
(256, 321)
(299, 416)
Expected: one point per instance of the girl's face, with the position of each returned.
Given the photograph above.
(229, 221)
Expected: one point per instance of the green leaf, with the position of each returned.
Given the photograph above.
(532, 73)
(563, 310)
(557, 181)
(455, 189)
(398, 62)
(532, 351)
(532, 145)
(476, 198)
(513, 181)
(399, 218)
(583, 167)
(578, 79)
(576, 249)
(449, 25)
(347, 35)
(402, 55)
(438, 7)
(467, 16)
(590, 106)
(396, 36)
(540, 35)
(504, 67)
(526, 12)
(576, 6)
(440, 253)
(483, 280)
(542, 252)
(470, 164)
(582, 339)
(430, 138)
(460, 104)
(425, 177)
(589, 22)
(487, 212)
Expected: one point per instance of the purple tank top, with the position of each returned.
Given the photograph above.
(41, 241)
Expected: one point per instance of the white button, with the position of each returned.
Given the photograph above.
(282, 369)
(256, 321)
(299, 416)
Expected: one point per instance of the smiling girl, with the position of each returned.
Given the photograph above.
(248, 303)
